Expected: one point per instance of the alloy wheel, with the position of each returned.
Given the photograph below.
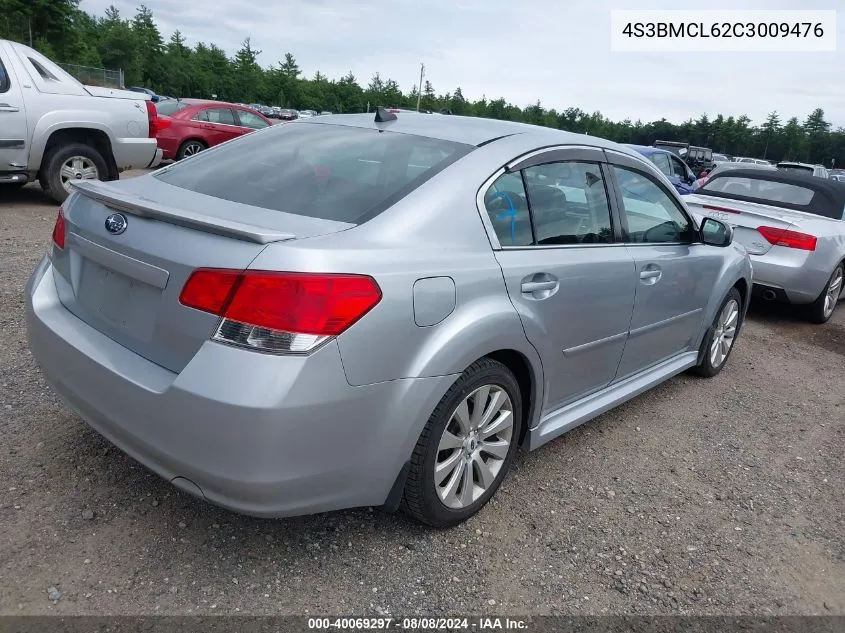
(473, 446)
(723, 337)
(77, 168)
(834, 289)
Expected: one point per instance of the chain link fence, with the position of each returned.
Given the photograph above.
(95, 76)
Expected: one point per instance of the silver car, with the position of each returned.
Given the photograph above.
(793, 225)
(376, 311)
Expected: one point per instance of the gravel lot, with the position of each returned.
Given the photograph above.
(704, 497)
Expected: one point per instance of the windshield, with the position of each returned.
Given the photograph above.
(331, 172)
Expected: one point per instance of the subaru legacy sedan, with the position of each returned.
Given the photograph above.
(351, 310)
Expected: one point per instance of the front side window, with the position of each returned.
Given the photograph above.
(250, 120)
(330, 172)
(652, 216)
(568, 203)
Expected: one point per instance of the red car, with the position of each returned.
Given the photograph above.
(188, 126)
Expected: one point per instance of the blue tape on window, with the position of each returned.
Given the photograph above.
(510, 213)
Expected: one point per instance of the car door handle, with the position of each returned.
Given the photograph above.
(650, 276)
(530, 287)
(5, 107)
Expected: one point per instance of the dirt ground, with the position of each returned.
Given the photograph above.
(700, 497)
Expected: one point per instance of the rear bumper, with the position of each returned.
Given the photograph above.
(258, 434)
(796, 276)
(156, 161)
(134, 153)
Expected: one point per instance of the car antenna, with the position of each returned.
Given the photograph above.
(383, 115)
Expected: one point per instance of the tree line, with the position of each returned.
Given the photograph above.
(66, 33)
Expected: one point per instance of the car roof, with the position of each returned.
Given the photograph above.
(195, 102)
(461, 129)
(828, 195)
(647, 150)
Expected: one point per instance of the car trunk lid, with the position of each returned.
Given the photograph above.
(127, 284)
(745, 217)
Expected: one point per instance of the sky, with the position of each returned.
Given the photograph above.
(557, 51)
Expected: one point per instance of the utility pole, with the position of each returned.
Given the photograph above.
(419, 92)
(29, 25)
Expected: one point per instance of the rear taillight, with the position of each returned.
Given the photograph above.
(59, 229)
(789, 239)
(280, 312)
(156, 123)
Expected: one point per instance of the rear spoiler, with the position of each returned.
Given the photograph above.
(143, 207)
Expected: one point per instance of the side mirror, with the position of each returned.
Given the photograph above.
(716, 233)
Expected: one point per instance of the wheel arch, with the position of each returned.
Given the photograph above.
(94, 137)
(526, 378)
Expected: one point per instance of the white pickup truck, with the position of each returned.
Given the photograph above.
(57, 130)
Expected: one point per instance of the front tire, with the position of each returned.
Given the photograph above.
(68, 163)
(719, 342)
(466, 448)
(822, 308)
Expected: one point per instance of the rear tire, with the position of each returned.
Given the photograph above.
(66, 163)
(717, 346)
(823, 308)
(466, 448)
(189, 148)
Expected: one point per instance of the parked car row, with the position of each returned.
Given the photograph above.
(286, 114)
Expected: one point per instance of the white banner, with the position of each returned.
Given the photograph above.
(723, 30)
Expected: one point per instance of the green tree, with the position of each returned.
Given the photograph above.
(150, 46)
(770, 130)
(817, 131)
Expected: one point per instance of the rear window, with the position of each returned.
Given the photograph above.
(170, 106)
(796, 168)
(765, 190)
(322, 171)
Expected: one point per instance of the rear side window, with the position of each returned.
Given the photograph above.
(507, 206)
(760, 189)
(45, 74)
(331, 172)
(554, 204)
(568, 202)
(4, 78)
(662, 162)
(223, 116)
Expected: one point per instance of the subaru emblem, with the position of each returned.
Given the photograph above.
(116, 223)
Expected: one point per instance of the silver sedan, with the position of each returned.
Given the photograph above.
(376, 311)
